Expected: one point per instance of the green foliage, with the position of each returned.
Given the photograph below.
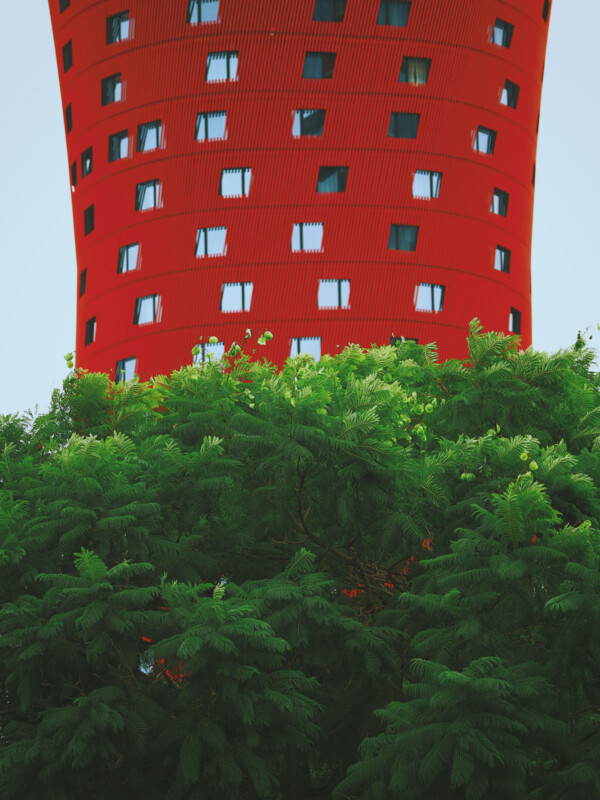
(371, 577)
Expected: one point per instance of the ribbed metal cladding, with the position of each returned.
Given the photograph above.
(163, 65)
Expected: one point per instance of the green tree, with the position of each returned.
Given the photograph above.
(371, 577)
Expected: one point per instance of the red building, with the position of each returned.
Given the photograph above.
(333, 170)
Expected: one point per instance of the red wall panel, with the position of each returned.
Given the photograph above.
(163, 66)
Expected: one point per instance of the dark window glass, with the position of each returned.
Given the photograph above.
(73, 175)
(502, 33)
(514, 321)
(546, 10)
(308, 122)
(332, 179)
(82, 282)
(403, 126)
(502, 259)
(393, 12)
(202, 11)
(86, 162)
(395, 340)
(533, 175)
(117, 146)
(318, 65)
(148, 136)
(403, 237)
(117, 27)
(500, 203)
(329, 10)
(111, 89)
(128, 257)
(69, 118)
(510, 94)
(88, 220)
(90, 330)
(146, 195)
(67, 54)
(414, 70)
(63, 5)
(485, 140)
(125, 369)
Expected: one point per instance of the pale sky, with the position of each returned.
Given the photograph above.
(37, 326)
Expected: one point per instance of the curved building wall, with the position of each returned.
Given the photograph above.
(472, 236)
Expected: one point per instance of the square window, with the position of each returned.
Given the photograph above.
(235, 182)
(499, 203)
(73, 176)
(117, 27)
(514, 321)
(82, 282)
(414, 70)
(221, 67)
(318, 66)
(403, 237)
(211, 125)
(118, 146)
(128, 257)
(502, 259)
(147, 195)
(485, 140)
(202, 11)
(510, 94)
(148, 136)
(86, 162)
(429, 297)
(216, 350)
(88, 220)
(426, 184)
(546, 10)
(236, 296)
(125, 370)
(69, 118)
(332, 179)
(211, 242)
(67, 54)
(393, 12)
(502, 33)
(146, 310)
(110, 89)
(63, 5)
(90, 331)
(403, 125)
(307, 237)
(306, 345)
(308, 122)
(329, 10)
(334, 294)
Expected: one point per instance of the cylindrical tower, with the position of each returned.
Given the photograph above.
(333, 170)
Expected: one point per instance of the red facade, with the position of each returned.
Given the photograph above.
(430, 109)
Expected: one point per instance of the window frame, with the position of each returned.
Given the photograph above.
(73, 171)
(114, 22)
(515, 319)
(82, 282)
(499, 205)
(432, 287)
(144, 185)
(203, 234)
(491, 140)
(338, 9)
(121, 369)
(108, 89)
(414, 61)
(386, 7)
(89, 222)
(87, 162)
(404, 117)
(300, 226)
(63, 5)
(511, 89)
(143, 129)
(124, 137)
(90, 331)
(340, 293)
(67, 56)
(69, 118)
(301, 120)
(506, 31)
(435, 184)
(246, 180)
(245, 295)
(502, 256)
(299, 340)
(341, 173)
(327, 61)
(202, 120)
(229, 56)
(123, 258)
(137, 311)
(394, 238)
(196, 6)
